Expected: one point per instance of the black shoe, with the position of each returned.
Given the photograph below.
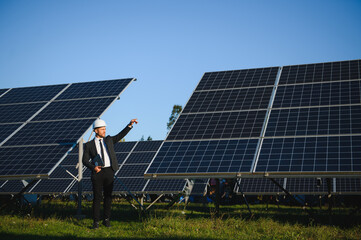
(106, 222)
(95, 225)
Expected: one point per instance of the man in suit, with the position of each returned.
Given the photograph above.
(102, 175)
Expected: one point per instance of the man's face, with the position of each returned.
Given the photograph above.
(100, 131)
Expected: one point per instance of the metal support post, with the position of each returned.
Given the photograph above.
(292, 197)
(244, 197)
(218, 196)
(80, 179)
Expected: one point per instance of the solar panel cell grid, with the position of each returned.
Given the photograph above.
(260, 185)
(307, 185)
(90, 108)
(322, 72)
(238, 79)
(334, 93)
(165, 185)
(218, 125)
(229, 100)
(315, 121)
(2, 91)
(140, 157)
(312, 154)
(204, 157)
(18, 112)
(57, 132)
(129, 184)
(30, 160)
(31, 94)
(52, 186)
(348, 185)
(95, 89)
(147, 146)
(7, 129)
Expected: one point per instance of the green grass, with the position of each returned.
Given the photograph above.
(55, 220)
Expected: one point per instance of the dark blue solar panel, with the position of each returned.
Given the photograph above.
(348, 185)
(86, 184)
(30, 160)
(132, 170)
(60, 172)
(124, 146)
(18, 112)
(95, 89)
(307, 185)
(12, 186)
(57, 132)
(71, 159)
(260, 186)
(31, 94)
(204, 157)
(52, 186)
(311, 154)
(147, 146)
(321, 72)
(165, 185)
(334, 93)
(131, 184)
(229, 100)
(315, 121)
(199, 186)
(7, 129)
(238, 79)
(140, 157)
(89, 108)
(218, 125)
(121, 157)
(2, 91)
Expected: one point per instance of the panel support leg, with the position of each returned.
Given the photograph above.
(244, 197)
(293, 198)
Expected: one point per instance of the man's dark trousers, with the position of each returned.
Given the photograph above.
(102, 180)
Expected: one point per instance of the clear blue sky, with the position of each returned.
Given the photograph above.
(166, 45)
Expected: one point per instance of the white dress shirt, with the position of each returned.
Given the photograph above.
(106, 159)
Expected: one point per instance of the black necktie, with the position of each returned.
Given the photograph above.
(102, 149)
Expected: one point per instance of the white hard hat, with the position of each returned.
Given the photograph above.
(99, 123)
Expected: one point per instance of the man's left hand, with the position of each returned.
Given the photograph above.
(132, 122)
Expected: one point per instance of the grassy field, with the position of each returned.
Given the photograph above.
(54, 220)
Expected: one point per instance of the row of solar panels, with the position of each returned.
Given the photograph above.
(134, 157)
(302, 120)
(41, 124)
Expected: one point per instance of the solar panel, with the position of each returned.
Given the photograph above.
(307, 186)
(348, 185)
(54, 132)
(88, 108)
(314, 125)
(199, 187)
(59, 180)
(218, 125)
(7, 129)
(204, 156)
(218, 129)
(18, 112)
(133, 159)
(238, 79)
(297, 121)
(31, 94)
(257, 186)
(132, 170)
(42, 124)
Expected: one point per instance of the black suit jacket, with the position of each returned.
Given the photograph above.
(90, 150)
